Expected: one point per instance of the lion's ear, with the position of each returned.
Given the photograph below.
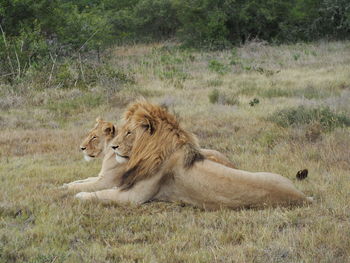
(99, 119)
(109, 130)
(148, 125)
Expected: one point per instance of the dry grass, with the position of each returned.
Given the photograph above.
(41, 131)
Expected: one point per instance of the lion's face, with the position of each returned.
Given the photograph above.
(95, 141)
(122, 144)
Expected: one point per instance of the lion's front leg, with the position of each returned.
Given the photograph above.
(114, 194)
(140, 193)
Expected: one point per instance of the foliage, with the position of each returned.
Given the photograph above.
(217, 97)
(254, 102)
(217, 66)
(302, 115)
(213, 96)
(35, 32)
(202, 23)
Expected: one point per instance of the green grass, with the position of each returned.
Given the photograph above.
(75, 105)
(301, 121)
(328, 119)
(218, 67)
(225, 98)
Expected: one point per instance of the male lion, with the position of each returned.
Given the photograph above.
(96, 144)
(165, 163)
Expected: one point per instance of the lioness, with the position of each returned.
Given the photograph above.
(95, 145)
(164, 162)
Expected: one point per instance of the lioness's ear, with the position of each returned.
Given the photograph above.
(99, 119)
(148, 125)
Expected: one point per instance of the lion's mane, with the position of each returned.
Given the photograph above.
(160, 135)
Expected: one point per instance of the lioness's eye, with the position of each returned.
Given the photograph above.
(93, 137)
(128, 133)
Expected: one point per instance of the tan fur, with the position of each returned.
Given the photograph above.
(156, 138)
(165, 164)
(96, 144)
(111, 171)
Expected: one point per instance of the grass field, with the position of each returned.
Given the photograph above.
(268, 108)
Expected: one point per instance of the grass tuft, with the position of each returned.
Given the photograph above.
(218, 67)
(225, 98)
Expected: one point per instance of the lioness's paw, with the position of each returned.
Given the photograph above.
(85, 196)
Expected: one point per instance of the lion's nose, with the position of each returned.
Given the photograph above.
(82, 148)
(115, 147)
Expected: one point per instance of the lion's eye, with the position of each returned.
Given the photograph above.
(128, 133)
(93, 137)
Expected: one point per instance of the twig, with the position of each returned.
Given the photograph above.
(7, 50)
(54, 259)
(18, 63)
(53, 66)
(9, 74)
(81, 67)
(80, 62)
(87, 40)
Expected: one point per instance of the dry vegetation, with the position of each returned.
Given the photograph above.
(299, 119)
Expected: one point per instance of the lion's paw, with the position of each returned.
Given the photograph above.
(85, 196)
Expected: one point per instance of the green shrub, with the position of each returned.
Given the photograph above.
(275, 92)
(222, 98)
(296, 56)
(173, 73)
(230, 99)
(214, 96)
(302, 115)
(217, 67)
(254, 102)
(71, 73)
(309, 92)
(72, 26)
(202, 23)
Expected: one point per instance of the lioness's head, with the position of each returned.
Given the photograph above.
(97, 139)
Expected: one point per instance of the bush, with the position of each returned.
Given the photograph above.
(214, 96)
(254, 102)
(222, 98)
(35, 31)
(217, 67)
(202, 23)
(19, 53)
(301, 115)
